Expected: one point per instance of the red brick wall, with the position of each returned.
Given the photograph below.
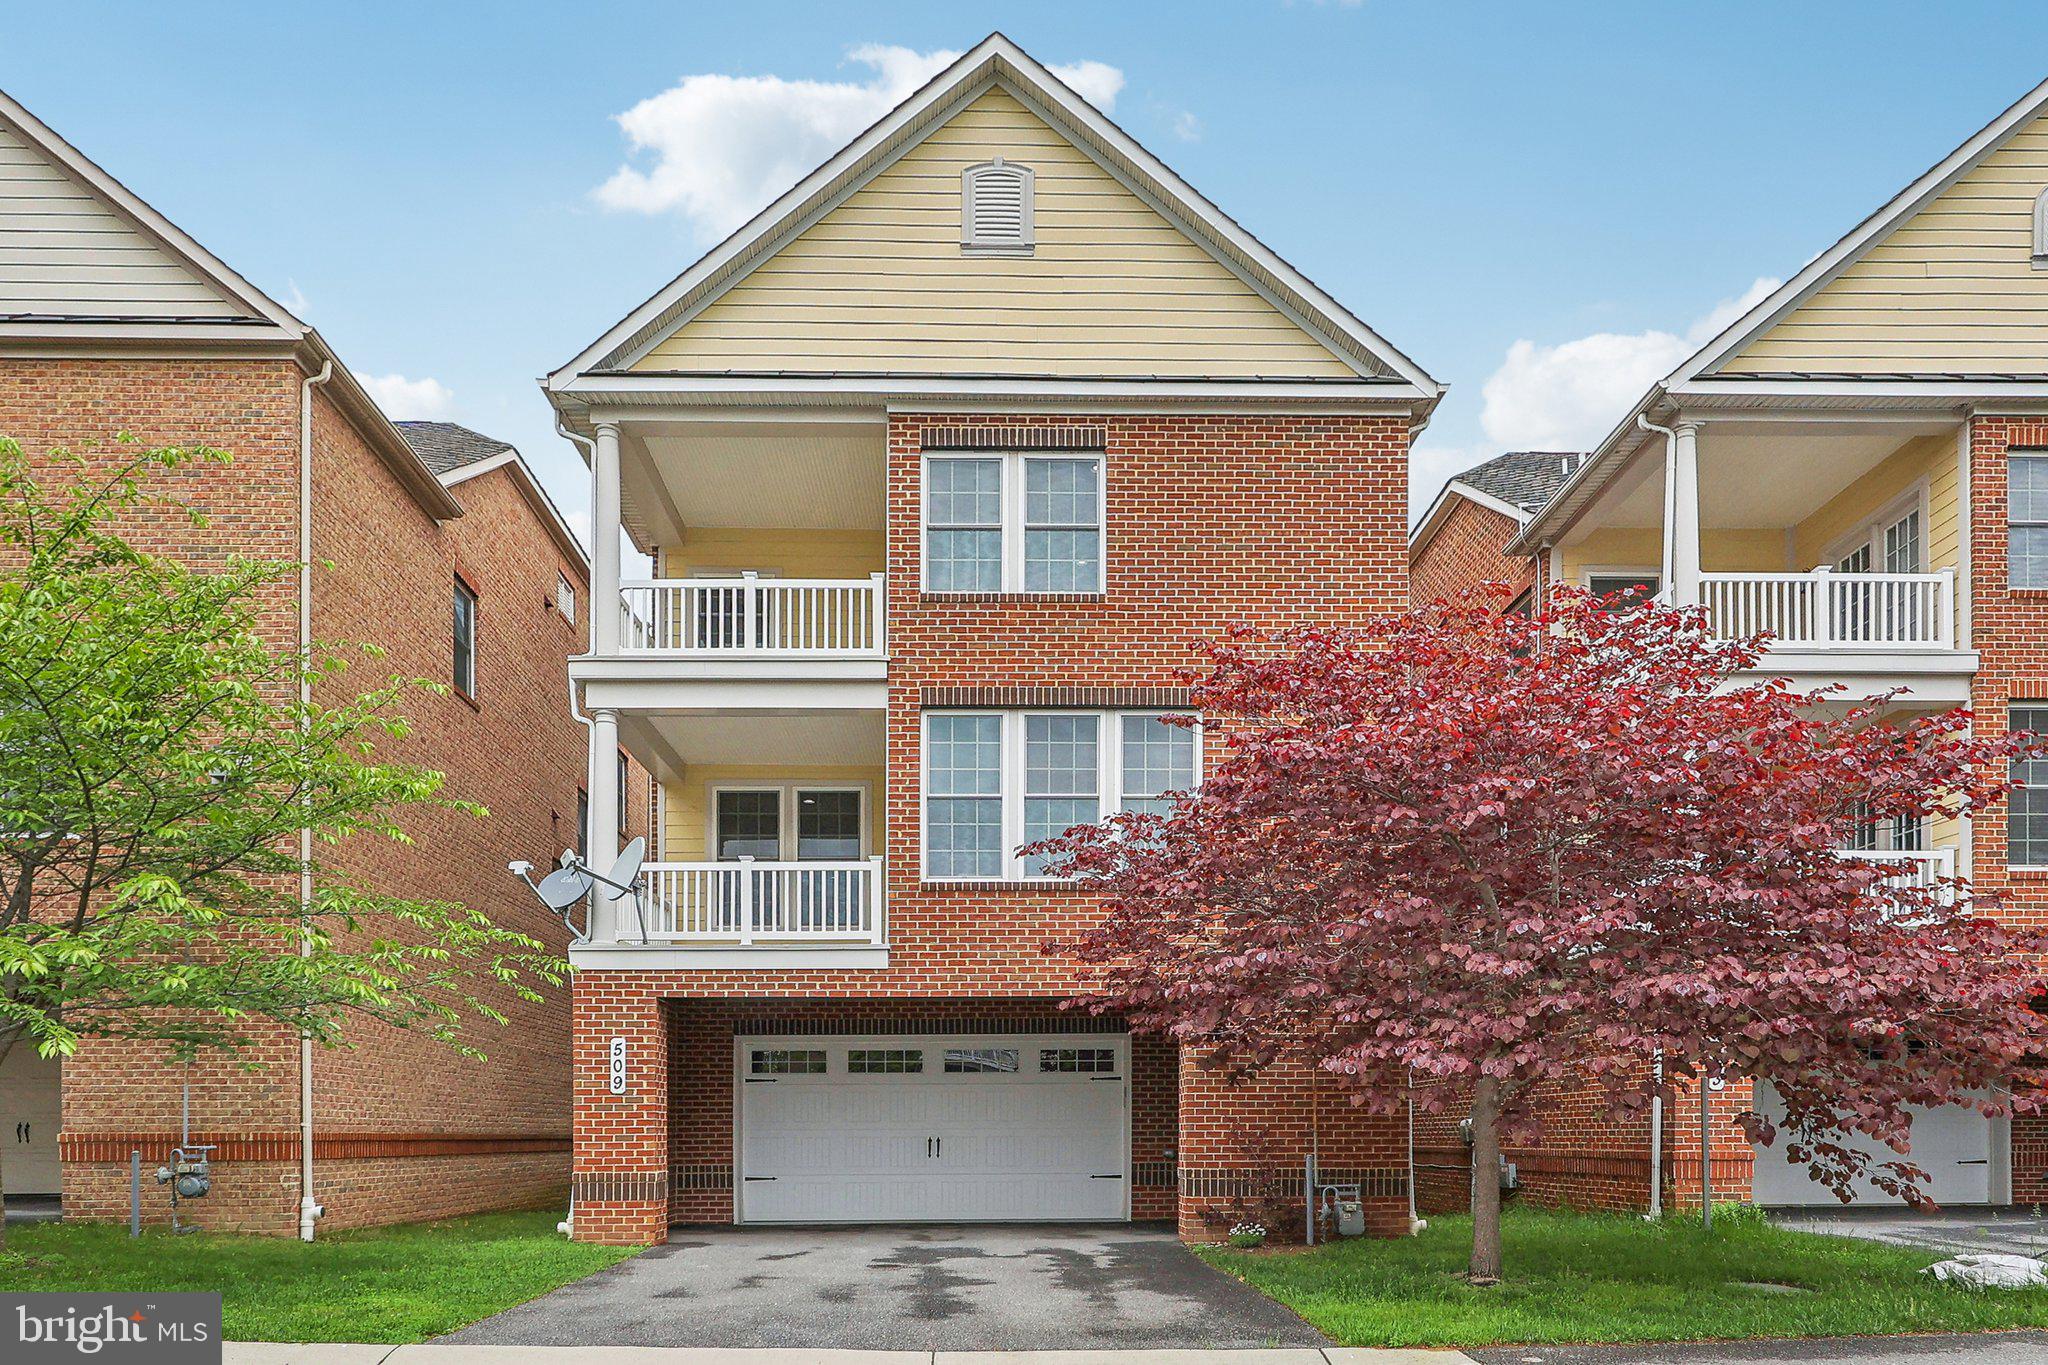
(1464, 552)
(406, 1128)
(2009, 630)
(1211, 520)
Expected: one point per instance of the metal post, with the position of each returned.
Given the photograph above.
(1706, 1157)
(135, 1192)
(1308, 1194)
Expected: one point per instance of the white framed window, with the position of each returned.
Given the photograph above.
(997, 780)
(785, 821)
(997, 209)
(464, 630)
(2026, 817)
(2026, 518)
(1640, 585)
(1013, 522)
(1892, 541)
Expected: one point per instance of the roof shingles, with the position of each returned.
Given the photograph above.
(1526, 478)
(446, 447)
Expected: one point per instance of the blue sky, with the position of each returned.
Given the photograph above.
(1544, 204)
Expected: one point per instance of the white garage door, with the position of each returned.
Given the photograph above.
(921, 1129)
(1958, 1147)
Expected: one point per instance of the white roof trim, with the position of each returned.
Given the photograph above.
(510, 458)
(1440, 509)
(1850, 248)
(1684, 381)
(126, 202)
(995, 56)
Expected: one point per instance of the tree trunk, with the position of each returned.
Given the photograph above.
(1485, 1118)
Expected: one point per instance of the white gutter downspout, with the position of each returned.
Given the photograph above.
(567, 1227)
(309, 1209)
(1670, 436)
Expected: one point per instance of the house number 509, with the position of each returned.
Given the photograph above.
(618, 1074)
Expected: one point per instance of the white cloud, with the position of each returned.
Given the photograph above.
(1566, 396)
(406, 399)
(716, 149)
(1187, 127)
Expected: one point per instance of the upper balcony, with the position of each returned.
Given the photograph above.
(759, 579)
(753, 618)
(1839, 535)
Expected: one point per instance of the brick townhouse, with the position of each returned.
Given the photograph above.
(944, 462)
(429, 540)
(1858, 464)
(1462, 537)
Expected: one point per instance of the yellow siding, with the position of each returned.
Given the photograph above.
(880, 282)
(1614, 547)
(688, 800)
(783, 552)
(1928, 458)
(1952, 288)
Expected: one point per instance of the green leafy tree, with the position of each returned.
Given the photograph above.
(173, 797)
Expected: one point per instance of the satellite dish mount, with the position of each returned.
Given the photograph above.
(574, 880)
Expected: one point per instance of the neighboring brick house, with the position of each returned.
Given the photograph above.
(1462, 539)
(945, 463)
(113, 320)
(1858, 464)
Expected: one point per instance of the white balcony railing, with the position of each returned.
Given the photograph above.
(752, 617)
(1918, 869)
(1828, 610)
(745, 901)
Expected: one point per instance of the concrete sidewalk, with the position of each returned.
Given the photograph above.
(271, 1353)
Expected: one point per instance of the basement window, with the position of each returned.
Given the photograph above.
(997, 210)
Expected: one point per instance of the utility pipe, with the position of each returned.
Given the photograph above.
(1657, 1142)
(1670, 435)
(309, 1209)
(567, 1227)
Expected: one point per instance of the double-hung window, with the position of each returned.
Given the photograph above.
(1013, 523)
(995, 781)
(2026, 817)
(2026, 517)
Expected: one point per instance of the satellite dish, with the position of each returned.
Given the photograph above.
(564, 888)
(628, 866)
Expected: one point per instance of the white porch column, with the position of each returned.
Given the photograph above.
(1682, 475)
(605, 607)
(602, 840)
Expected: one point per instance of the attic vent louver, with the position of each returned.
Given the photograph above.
(996, 209)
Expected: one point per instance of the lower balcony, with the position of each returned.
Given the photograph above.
(1827, 610)
(746, 902)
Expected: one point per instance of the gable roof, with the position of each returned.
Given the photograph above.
(447, 446)
(1732, 339)
(235, 306)
(1526, 479)
(226, 309)
(457, 454)
(996, 60)
(1516, 484)
(1698, 375)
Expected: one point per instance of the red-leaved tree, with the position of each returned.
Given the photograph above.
(1497, 851)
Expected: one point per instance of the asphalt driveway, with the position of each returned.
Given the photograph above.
(2015, 1232)
(922, 1288)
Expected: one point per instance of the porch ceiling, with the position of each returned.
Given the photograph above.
(667, 741)
(811, 475)
(1757, 475)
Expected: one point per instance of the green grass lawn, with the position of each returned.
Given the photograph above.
(1578, 1277)
(395, 1284)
